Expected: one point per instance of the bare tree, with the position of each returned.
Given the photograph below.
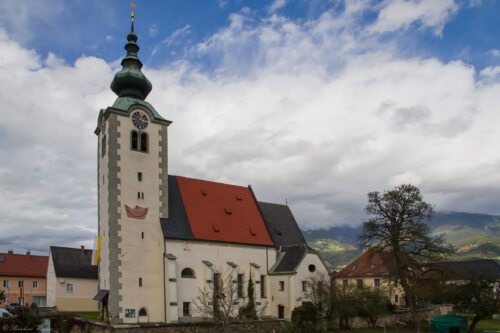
(398, 223)
(317, 292)
(219, 299)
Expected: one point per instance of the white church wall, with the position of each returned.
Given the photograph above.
(192, 254)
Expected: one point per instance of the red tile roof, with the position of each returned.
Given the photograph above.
(222, 212)
(373, 262)
(23, 265)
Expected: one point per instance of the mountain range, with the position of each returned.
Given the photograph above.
(472, 235)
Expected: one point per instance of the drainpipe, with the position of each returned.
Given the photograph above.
(164, 283)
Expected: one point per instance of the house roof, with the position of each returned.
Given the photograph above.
(373, 262)
(73, 263)
(281, 224)
(469, 269)
(290, 258)
(23, 265)
(222, 212)
(176, 225)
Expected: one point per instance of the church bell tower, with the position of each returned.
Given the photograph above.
(132, 196)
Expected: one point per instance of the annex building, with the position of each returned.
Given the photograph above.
(165, 238)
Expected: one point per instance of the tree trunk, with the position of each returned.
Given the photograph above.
(410, 298)
(473, 324)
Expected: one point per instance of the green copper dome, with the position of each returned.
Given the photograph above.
(130, 81)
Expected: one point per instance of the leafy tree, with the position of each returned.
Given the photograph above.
(397, 222)
(372, 303)
(249, 311)
(305, 319)
(346, 306)
(476, 297)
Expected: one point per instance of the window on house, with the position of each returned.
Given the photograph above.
(359, 283)
(187, 273)
(138, 195)
(6, 283)
(20, 284)
(185, 309)
(240, 285)
(142, 195)
(376, 283)
(281, 286)
(312, 268)
(304, 285)
(139, 176)
(143, 312)
(144, 142)
(142, 235)
(345, 283)
(69, 288)
(140, 282)
(263, 286)
(103, 146)
(134, 140)
(35, 284)
(396, 299)
(129, 313)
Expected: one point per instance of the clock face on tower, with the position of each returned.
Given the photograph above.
(139, 119)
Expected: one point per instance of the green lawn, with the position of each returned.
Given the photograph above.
(88, 315)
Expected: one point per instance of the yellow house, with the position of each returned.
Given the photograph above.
(376, 269)
(71, 279)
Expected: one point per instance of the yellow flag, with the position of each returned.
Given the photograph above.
(97, 250)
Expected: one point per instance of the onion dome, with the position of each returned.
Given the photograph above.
(130, 81)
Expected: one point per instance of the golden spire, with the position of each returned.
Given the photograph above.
(132, 15)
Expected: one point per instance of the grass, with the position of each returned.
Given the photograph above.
(88, 315)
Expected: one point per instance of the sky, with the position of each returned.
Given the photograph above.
(314, 103)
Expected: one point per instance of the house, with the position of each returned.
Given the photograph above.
(71, 279)
(23, 278)
(374, 268)
(165, 239)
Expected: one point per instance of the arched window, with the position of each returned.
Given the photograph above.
(134, 140)
(187, 273)
(143, 312)
(144, 142)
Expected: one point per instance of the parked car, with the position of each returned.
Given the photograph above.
(15, 308)
(5, 313)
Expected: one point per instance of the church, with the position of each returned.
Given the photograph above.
(165, 239)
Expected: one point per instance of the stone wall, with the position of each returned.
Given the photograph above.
(260, 326)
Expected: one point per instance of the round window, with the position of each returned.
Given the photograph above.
(312, 268)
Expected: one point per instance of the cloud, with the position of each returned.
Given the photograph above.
(318, 112)
(174, 38)
(153, 30)
(277, 5)
(401, 14)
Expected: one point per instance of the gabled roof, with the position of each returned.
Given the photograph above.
(281, 224)
(373, 262)
(23, 265)
(210, 211)
(290, 258)
(469, 269)
(73, 263)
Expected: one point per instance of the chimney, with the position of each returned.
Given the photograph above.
(82, 248)
(28, 252)
(10, 251)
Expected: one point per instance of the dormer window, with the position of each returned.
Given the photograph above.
(354, 267)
